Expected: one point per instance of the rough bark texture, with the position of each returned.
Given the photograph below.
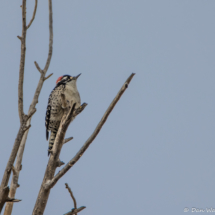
(7, 195)
(21, 131)
(22, 62)
(93, 136)
(5, 179)
(49, 179)
(43, 195)
(14, 183)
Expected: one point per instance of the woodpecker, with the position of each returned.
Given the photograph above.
(66, 85)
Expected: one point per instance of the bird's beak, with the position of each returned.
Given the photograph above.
(77, 76)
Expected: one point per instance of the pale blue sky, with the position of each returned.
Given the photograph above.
(155, 154)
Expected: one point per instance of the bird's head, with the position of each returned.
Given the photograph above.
(67, 78)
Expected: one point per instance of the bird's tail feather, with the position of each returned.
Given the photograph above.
(51, 141)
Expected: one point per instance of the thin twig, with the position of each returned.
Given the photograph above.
(10, 201)
(71, 194)
(34, 13)
(75, 211)
(67, 140)
(60, 163)
(38, 68)
(19, 38)
(22, 63)
(13, 200)
(92, 137)
(48, 76)
(50, 37)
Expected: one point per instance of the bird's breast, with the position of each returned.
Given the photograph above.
(72, 94)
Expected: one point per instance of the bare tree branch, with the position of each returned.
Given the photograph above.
(22, 63)
(69, 113)
(71, 194)
(34, 13)
(6, 176)
(92, 137)
(13, 200)
(75, 210)
(60, 163)
(19, 38)
(67, 140)
(48, 76)
(49, 179)
(37, 66)
(31, 112)
(27, 127)
(14, 183)
(6, 198)
(50, 37)
(25, 121)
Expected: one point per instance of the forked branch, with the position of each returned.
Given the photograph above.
(49, 179)
(75, 210)
(24, 119)
(22, 130)
(93, 136)
(69, 113)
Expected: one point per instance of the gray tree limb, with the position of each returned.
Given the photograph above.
(67, 139)
(26, 119)
(75, 210)
(49, 179)
(34, 13)
(92, 137)
(71, 194)
(69, 113)
(22, 63)
(22, 129)
(14, 183)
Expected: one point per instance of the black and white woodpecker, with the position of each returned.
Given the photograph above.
(66, 85)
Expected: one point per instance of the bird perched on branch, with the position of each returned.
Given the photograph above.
(65, 85)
